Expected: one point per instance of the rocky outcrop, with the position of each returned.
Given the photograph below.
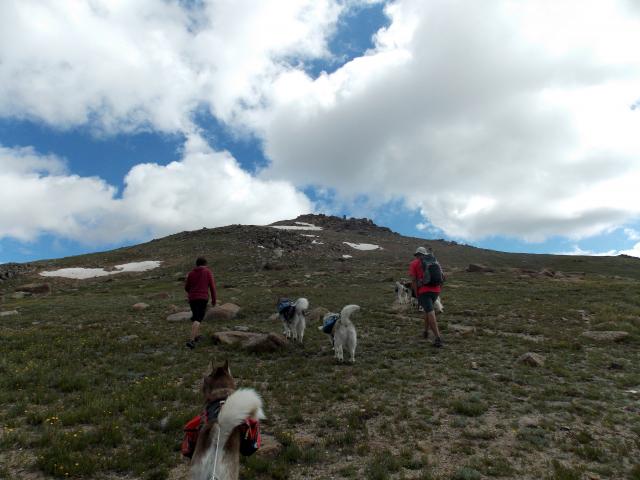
(35, 288)
(226, 311)
(478, 268)
(606, 336)
(253, 342)
(9, 271)
(179, 317)
(531, 359)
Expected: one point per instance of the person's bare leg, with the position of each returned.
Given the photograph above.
(195, 330)
(431, 322)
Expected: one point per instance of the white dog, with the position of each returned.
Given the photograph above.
(404, 295)
(293, 319)
(343, 333)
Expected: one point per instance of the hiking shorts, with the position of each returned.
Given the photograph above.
(198, 309)
(426, 300)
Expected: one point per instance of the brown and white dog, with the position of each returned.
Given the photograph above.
(217, 452)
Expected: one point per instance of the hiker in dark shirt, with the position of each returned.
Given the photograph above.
(198, 285)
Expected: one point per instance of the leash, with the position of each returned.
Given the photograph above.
(215, 459)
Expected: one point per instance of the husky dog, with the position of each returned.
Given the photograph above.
(404, 295)
(217, 452)
(293, 319)
(343, 334)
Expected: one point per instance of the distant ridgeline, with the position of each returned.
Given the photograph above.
(337, 224)
(11, 270)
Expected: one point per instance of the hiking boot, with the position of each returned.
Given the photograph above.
(191, 344)
(438, 342)
(198, 338)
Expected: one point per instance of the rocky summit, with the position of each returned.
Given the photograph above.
(96, 381)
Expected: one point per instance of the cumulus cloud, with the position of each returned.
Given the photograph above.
(123, 66)
(489, 119)
(494, 118)
(203, 189)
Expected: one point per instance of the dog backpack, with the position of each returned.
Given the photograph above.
(433, 275)
(329, 322)
(191, 431)
(250, 439)
(286, 308)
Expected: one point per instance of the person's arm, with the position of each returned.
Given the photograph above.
(414, 280)
(187, 283)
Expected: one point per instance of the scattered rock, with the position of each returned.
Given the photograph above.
(140, 306)
(20, 295)
(127, 338)
(270, 447)
(606, 336)
(423, 446)
(304, 440)
(226, 311)
(179, 317)
(241, 328)
(463, 330)
(532, 359)
(477, 268)
(529, 421)
(474, 365)
(254, 342)
(8, 313)
(35, 288)
(317, 314)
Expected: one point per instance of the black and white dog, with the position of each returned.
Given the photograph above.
(293, 319)
(404, 296)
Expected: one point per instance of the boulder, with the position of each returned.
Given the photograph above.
(606, 336)
(226, 311)
(477, 268)
(317, 314)
(254, 342)
(531, 359)
(270, 447)
(463, 330)
(140, 306)
(8, 313)
(304, 440)
(179, 317)
(35, 288)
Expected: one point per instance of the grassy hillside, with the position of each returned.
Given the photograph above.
(91, 388)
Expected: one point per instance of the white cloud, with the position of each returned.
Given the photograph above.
(489, 119)
(632, 234)
(204, 189)
(492, 118)
(121, 66)
(632, 252)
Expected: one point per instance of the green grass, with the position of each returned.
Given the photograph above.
(77, 401)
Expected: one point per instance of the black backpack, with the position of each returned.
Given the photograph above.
(433, 275)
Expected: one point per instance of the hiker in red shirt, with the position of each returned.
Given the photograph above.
(198, 284)
(427, 290)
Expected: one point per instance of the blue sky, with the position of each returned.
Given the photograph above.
(501, 128)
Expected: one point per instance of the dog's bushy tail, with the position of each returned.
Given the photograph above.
(302, 304)
(241, 404)
(348, 311)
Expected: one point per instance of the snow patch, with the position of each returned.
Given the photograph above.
(84, 273)
(347, 256)
(315, 242)
(362, 246)
(308, 235)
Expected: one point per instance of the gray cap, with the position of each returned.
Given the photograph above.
(421, 251)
